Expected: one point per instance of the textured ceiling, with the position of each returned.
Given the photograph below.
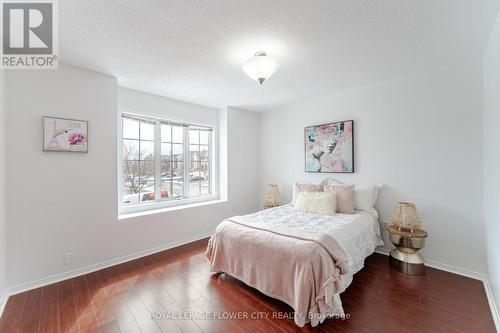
(192, 50)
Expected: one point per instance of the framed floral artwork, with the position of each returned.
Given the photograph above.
(65, 135)
(330, 147)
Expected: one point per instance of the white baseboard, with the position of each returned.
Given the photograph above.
(382, 250)
(92, 268)
(442, 267)
(491, 302)
(456, 270)
(3, 301)
(464, 272)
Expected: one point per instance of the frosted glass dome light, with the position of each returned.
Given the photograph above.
(261, 67)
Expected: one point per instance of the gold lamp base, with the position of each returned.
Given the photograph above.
(405, 257)
(407, 263)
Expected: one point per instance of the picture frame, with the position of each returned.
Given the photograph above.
(329, 148)
(64, 135)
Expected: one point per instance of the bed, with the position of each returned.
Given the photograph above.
(303, 259)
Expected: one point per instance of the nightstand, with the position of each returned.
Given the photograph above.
(405, 257)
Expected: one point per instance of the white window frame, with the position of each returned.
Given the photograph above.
(146, 206)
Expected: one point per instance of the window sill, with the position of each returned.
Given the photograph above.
(169, 209)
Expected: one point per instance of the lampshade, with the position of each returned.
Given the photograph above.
(405, 216)
(272, 196)
(261, 67)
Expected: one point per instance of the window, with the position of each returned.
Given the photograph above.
(164, 163)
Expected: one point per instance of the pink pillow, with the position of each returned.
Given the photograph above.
(305, 188)
(345, 197)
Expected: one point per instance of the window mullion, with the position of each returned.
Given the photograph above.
(157, 161)
(171, 194)
(210, 167)
(185, 160)
(139, 168)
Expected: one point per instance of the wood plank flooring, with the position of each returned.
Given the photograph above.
(176, 283)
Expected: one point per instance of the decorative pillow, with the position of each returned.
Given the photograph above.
(345, 197)
(316, 202)
(298, 188)
(331, 181)
(365, 197)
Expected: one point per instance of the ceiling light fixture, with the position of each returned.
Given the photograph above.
(261, 67)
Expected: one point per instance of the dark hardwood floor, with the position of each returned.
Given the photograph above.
(177, 282)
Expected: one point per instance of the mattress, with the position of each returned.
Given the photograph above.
(358, 234)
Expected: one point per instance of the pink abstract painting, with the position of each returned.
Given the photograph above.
(330, 147)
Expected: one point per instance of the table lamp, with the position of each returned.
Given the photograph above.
(405, 216)
(272, 196)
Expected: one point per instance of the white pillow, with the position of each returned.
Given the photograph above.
(323, 203)
(365, 197)
(305, 187)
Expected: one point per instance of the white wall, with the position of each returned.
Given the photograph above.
(61, 202)
(3, 221)
(491, 105)
(153, 105)
(243, 159)
(419, 135)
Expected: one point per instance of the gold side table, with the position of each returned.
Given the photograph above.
(405, 257)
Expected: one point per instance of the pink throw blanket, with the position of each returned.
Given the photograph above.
(299, 268)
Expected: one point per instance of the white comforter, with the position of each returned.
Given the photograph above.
(358, 234)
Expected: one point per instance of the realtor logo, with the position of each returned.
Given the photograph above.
(29, 34)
